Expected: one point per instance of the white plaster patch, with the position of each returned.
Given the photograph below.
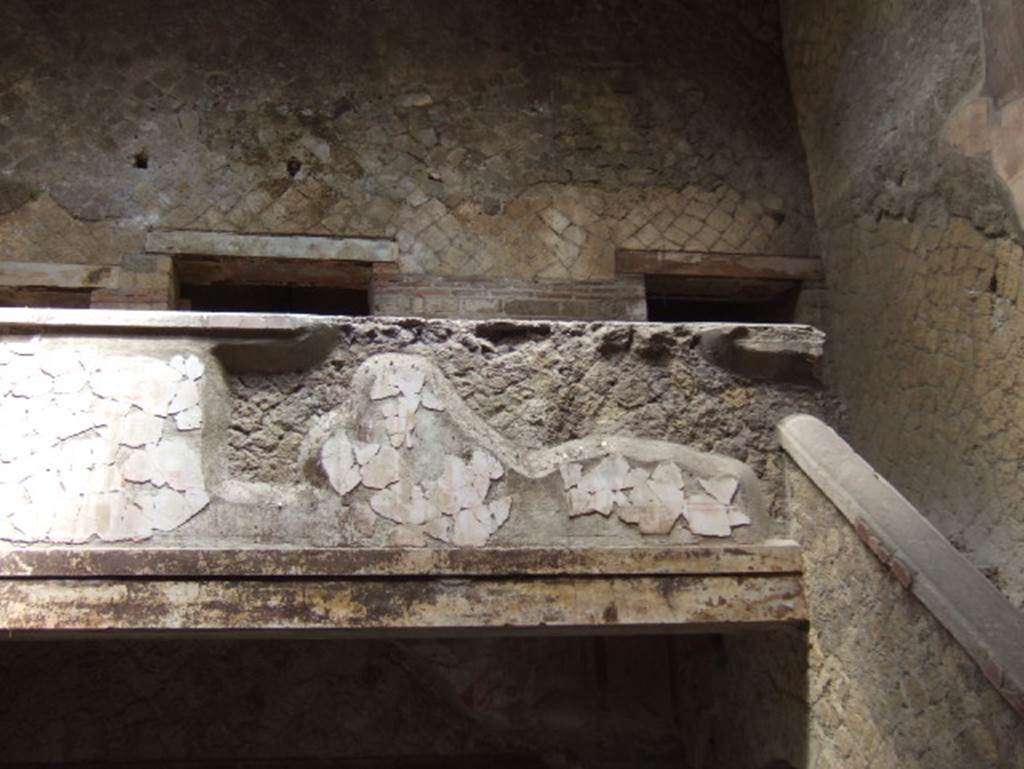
(338, 461)
(653, 501)
(383, 469)
(707, 516)
(96, 453)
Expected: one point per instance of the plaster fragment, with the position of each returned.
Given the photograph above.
(363, 518)
(485, 465)
(144, 382)
(185, 397)
(383, 469)
(404, 502)
(25, 380)
(189, 419)
(737, 517)
(337, 458)
(189, 366)
(137, 428)
(439, 529)
(430, 401)
(365, 451)
(194, 368)
(409, 380)
(468, 531)
(706, 516)
(382, 388)
(406, 536)
(721, 488)
(571, 475)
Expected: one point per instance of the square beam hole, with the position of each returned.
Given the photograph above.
(677, 299)
(63, 298)
(303, 286)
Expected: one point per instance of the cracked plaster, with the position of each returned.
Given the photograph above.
(393, 474)
(97, 446)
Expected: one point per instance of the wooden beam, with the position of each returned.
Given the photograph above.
(707, 264)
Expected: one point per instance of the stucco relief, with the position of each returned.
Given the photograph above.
(97, 446)
(407, 452)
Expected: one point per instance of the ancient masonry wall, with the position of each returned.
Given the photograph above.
(396, 432)
(493, 141)
(922, 253)
(882, 684)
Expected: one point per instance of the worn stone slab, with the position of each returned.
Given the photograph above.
(205, 243)
(404, 606)
(707, 264)
(58, 275)
(985, 623)
(778, 557)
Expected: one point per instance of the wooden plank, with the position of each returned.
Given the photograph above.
(718, 265)
(779, 557)
(318, 247)
(403, 606)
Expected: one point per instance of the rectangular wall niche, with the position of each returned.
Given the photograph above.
(675, 299)
(229, 272)
(65, 298)
(693, 286)
(238, 284)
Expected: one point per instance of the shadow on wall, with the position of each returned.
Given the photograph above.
(679, 702)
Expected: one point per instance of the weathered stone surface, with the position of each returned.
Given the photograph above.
(529, 384)
(877, 671)
(514, 155)
(482, 478)
(983, 621)
(404, 607)
(201, 243)
(921, 247)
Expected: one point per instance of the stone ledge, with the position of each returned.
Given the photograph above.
(982, 620)
(777, 337)
(401, 607)
(318, 247)
(773, 557)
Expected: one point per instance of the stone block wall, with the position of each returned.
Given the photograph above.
(921, 247)
(516, 141)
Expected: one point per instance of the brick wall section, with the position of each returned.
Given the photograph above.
(428, 297)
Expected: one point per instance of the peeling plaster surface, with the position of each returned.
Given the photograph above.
(381, 433)
(97, 446)
(429, 468)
